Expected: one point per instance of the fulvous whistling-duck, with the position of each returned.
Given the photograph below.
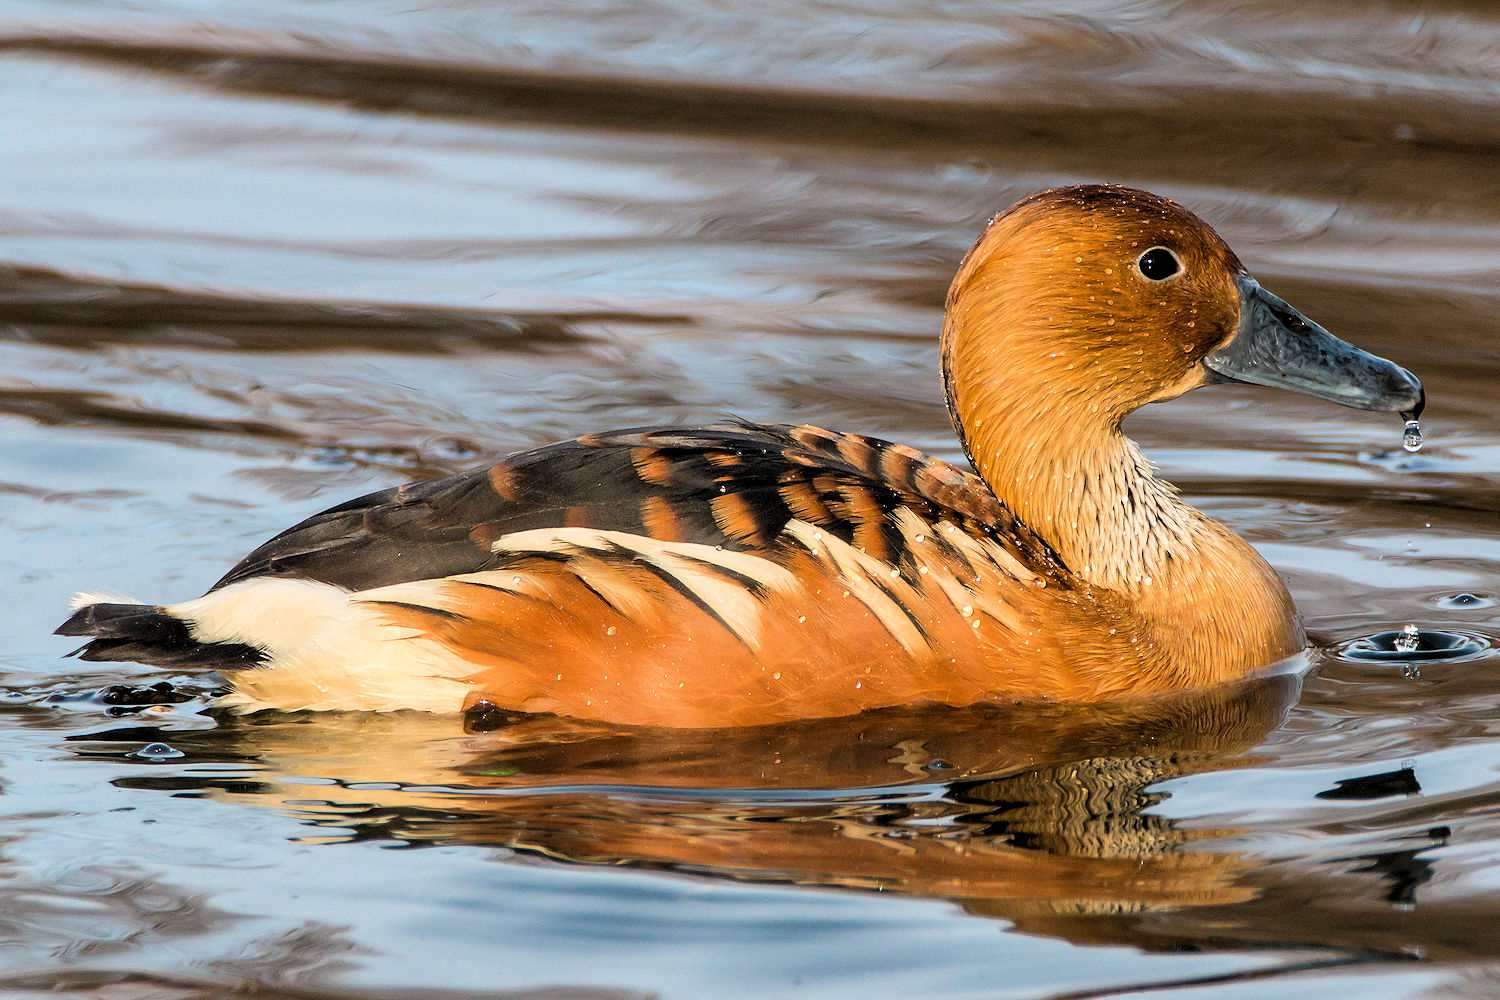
(740, 574)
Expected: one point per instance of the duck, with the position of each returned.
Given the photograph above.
(740, 574)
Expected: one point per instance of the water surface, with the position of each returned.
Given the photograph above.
(255, 262)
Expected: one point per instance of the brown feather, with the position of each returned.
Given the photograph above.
(738, 574)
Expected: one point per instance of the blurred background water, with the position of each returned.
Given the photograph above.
(256, 259)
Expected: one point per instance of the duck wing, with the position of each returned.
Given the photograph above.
(734, 485)
(734, 574)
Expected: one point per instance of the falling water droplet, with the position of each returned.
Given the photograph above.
(1411, 437)
(1409, 641)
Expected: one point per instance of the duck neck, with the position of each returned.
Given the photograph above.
(1037, 386)
(1062, 465)
(1080, 484)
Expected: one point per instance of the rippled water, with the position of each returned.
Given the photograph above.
(255, 262)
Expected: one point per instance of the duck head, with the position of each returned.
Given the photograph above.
(1085, 303)
(1081, 304)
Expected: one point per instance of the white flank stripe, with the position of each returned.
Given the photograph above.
(739, 608)
(689, 563)
(856, 569)
(763, 571)
(985, 551)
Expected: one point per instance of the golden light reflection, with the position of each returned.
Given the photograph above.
(1024, 812)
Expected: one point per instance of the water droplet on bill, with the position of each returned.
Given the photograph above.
(1411, 437)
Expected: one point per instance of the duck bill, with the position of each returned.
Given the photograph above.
(1277, 346)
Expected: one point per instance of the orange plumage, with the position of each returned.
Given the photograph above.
(740, 575)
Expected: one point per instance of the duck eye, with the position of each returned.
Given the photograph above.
(1158, 264)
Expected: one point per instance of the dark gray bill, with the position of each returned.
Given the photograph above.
(1277, 346)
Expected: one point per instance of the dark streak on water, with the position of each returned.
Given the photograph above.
(38, 305)
(255, 262)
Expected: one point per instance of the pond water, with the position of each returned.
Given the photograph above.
(256, 259)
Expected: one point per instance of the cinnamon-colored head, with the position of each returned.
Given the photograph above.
(1080, 304)
(1103, 294)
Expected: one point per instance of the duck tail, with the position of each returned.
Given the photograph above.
(148, 633)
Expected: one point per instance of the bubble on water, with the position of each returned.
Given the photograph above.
(156, 752)
(1465, 600)
(1411, 437)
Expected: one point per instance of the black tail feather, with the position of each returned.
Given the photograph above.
(145, 633)
(119, 621)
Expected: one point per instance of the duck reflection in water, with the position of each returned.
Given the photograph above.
(1030, 812)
